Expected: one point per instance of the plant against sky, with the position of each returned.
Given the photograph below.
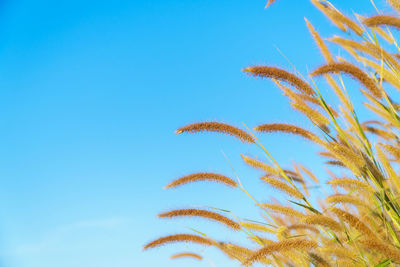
(358, 222)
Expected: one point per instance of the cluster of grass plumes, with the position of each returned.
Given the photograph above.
(350, 219)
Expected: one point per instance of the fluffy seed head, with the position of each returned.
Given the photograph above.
(258, 164)
(393, 150)
(318, 260)
(217, 127)
(271, 171)
(382, 20)
(379, 246)
(368, 48)
(257, 227)
(290, 244)
(339, 252)
(395, 4)
(353, 71)
(286, 128)
(341, 21)
(300, 226)
(269, 3)
(187, 238)
(309, 173)
(282, 209)
(317, 219)
(202, 176)
(348, 183)
(313, 114)
(201, 213)
(341, 198)
(353, 221)
(320, 43)
(186, 255)
(335, 163)
(379, 132)
(282, 75)
(283, 187)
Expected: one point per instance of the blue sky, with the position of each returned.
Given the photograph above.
(90, 95)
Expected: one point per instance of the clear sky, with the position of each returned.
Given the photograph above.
(90, 95)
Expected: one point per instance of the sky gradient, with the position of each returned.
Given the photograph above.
(91, 93)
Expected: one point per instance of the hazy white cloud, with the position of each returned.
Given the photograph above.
(61, 237)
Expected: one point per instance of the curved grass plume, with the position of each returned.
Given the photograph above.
(280, 74)
(202, 176)
(353, 71)
(382, 20)
(186, 238)
(201, 213)
(186, 255)
(217, 127)
(286, 128)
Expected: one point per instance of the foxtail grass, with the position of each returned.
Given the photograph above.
(186, 238)
(186, 255)
(218, 127)
(201, 213)
(348, 215)
(202, 176)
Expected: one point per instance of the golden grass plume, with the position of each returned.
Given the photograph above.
(218, 127)
(282, 75)
(201, 213)
(290, 244)
(318, 219)
(282, 209)
(202, 176)
(286, 128)
(186, 238)
(186, 255)
(382, 20)
(282, 186)
(353, 71)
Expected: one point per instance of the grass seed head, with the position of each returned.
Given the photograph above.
(201, 213)
(217, 127)
(286, 245)
(282, 75)
(384, 249)
(382, 20)
(318, 219)
(353, 71)
(283, 210)
(202, 176)
(354, 222)
(320, 43)
(283, 187)
(286, 128)
(186, 238)
(186, 255)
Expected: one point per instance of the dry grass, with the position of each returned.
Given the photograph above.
(354, 218)
(218, 127)
(201, 213)
(202, 176)
(186, 255)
